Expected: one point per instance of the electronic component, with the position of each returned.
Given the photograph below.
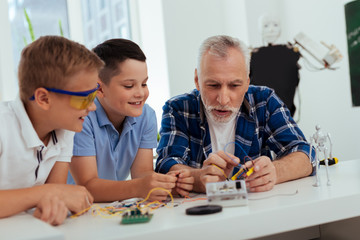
(243, 170)
(227, 193)
(135, 216)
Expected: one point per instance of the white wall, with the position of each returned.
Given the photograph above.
(187, 24)
(148, 32)
(8, 85)
(325, 95)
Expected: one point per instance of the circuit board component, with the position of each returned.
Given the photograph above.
(135, 216)
(227, 193)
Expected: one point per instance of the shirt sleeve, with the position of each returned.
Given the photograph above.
(84, 141)
(173, 147)
(283, 134)
(67, 147)
(149, 135)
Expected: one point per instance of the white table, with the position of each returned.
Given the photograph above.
(274, 212)
(25, 226)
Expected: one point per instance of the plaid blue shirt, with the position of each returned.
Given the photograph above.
(263, 125)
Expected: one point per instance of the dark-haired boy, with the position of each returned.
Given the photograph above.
(120, 135)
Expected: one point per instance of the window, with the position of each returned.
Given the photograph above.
(44, 16)
(103, 20)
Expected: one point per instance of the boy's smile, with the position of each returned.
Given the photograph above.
(139, 104)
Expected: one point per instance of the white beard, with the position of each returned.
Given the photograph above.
(220, 119)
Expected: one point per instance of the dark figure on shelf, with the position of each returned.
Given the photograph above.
(275, 66)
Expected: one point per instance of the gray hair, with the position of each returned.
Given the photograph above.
(219, 45)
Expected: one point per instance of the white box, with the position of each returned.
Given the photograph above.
(227, 193)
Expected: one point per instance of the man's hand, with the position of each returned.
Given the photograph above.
(51, 209)
(264, 176)
(217, 167)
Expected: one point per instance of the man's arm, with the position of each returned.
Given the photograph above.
(292, 166)
(84, 171)
(267, 173)
(283, 136)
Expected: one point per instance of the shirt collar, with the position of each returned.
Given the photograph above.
(247, 107)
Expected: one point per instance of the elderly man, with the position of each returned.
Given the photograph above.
(225, 122)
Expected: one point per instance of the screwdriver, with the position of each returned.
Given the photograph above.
(331, 161)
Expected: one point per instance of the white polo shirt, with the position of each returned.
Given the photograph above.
(24, 159)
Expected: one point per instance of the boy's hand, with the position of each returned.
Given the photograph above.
(76, 198)
(51, 209)
(157, 180)
(185, 181)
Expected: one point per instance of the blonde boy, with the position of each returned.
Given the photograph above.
(57, 85)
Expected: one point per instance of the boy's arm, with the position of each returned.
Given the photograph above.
(143, 166)
(84, 171)
(76, 198)
(143, 163)
(58, 173)
(19, 200)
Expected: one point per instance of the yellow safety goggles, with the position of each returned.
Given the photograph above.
(78, 100)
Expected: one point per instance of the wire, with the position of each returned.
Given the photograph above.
(111, 211)
(148, 195)
(221, 171)
(105, 212)
(276, 195)
(82, 212)
(243, 169)
(189, 199)
(237, 144)
(309, 66)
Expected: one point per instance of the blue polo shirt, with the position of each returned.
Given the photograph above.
(115, 152)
